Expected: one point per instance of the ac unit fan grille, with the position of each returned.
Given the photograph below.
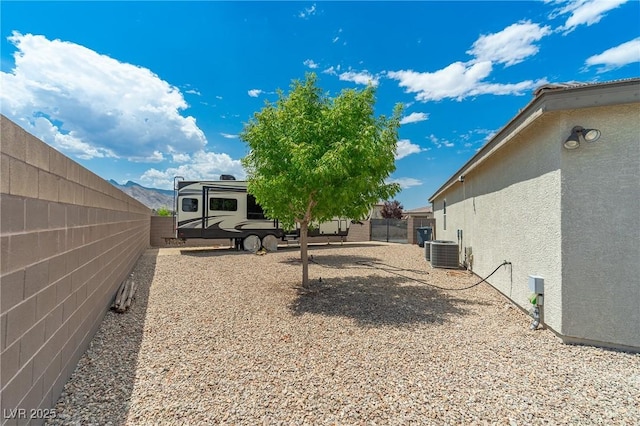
(444, 254)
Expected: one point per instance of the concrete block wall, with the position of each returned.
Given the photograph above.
(67, 240)
(161, 227)
(359, 232)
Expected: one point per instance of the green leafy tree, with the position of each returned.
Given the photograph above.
(312, 158)
(392, 210)
(163, 211)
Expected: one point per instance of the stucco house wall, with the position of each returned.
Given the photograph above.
(601, 228)
(507, 211)
(570, 216)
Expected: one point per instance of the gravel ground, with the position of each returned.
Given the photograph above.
(217, 336)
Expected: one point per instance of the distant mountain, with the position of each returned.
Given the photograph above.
(151, 197)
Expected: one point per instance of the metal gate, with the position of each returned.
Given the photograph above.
(389, 230)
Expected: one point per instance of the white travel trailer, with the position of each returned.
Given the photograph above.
(224, 209)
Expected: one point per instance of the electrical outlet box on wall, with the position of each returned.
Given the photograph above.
(536, 284)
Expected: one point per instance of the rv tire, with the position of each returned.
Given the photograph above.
(270, 242)
(251, 243)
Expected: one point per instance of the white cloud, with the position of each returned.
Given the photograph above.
(363, 77)
(42, 128)
(439, 143)
(511, 45)
(586, 12)
(193, 92)
(406, 148)
(474, 137)
(406, 182)
(229, 136)
(458, 81)
(309, 63)
(414, 117)
(335, 39)
(454, 81)
(181, 158)
(308, 11)
(332, 70)
(203, 166)
(254, 93)
(506, 89)
(616, 57)
(156, 157)
(90, 105)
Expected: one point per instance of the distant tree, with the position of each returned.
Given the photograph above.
(312, 158)
(392, 210)
(163, 211)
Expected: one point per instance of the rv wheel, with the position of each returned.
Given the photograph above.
(251, 243)
(270, 242)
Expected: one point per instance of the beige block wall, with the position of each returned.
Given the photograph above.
(161, 227)
(415, 222)
(68, 239)
(359, 232)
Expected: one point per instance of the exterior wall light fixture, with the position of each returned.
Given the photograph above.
(579, 133)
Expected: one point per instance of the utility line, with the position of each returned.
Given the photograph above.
(389, 269)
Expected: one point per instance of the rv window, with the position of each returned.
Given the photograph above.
(223, 204)
(254, 211)
(189, 204)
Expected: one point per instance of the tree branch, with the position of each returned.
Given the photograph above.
(311, 204)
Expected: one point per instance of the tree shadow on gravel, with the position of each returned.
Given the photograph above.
(347, 246)
(375, 300)
(341, 261)
(334, 261)
(101, 386)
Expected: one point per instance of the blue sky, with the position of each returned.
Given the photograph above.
(145, 91)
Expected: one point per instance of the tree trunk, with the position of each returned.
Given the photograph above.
(304, 227)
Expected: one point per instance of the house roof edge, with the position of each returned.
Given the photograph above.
(550, 97)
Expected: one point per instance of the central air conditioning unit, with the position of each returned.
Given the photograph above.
(444, 254)
(427, 250)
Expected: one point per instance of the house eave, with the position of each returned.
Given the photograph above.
(546, 101)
